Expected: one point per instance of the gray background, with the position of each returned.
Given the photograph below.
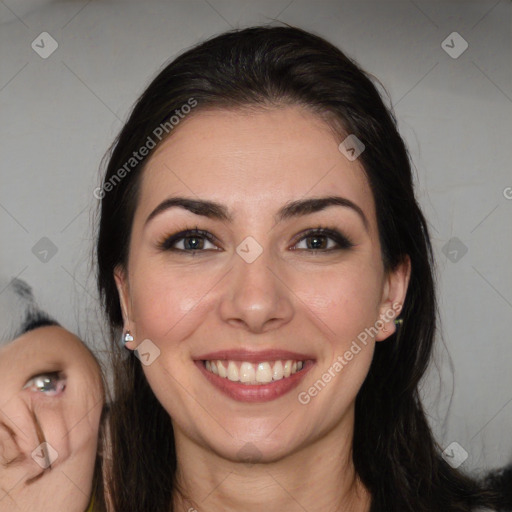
(60, 114)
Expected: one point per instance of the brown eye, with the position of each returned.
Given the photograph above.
(190, 240)
(319, 240)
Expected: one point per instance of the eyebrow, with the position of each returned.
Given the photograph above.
(217, 211)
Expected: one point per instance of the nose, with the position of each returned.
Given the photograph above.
(256, 296)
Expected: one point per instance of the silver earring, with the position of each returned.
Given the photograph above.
(126, 338)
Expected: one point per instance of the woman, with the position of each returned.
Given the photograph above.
(259, 236)
(51, 399)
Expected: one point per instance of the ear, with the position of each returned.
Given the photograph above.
(393, 297)
(123, 289)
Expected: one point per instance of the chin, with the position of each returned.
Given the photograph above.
(257, 451)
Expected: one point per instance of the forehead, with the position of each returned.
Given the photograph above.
(41, 344)
(253, 159)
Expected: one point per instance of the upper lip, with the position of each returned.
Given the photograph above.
(252, 356)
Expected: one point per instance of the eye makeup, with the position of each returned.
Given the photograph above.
(168, 242)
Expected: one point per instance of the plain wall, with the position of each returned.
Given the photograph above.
(60, 114)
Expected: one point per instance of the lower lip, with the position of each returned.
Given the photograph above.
(256, 392)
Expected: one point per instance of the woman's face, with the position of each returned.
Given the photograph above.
(51, 386)
(255, 290)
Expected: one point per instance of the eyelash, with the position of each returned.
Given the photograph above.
(56, 376)
(343, 242)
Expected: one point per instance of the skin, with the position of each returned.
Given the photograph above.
(69, 417)
(315, 303)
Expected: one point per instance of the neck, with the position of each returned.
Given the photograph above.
(320, 477)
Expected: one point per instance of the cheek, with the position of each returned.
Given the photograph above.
(54, 419)
(162, 298)
(345, 299)
(82, 407)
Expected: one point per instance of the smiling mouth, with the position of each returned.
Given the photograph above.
(264, 372)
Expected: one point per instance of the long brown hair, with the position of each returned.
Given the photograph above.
(394, 451)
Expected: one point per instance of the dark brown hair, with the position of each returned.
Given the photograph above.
(394, 451)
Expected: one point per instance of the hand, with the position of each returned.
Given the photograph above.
(51, 398)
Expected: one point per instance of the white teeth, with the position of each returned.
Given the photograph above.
(264, 373)
(233, 372)
(277, 373)
(249, 373)
(222, 370)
